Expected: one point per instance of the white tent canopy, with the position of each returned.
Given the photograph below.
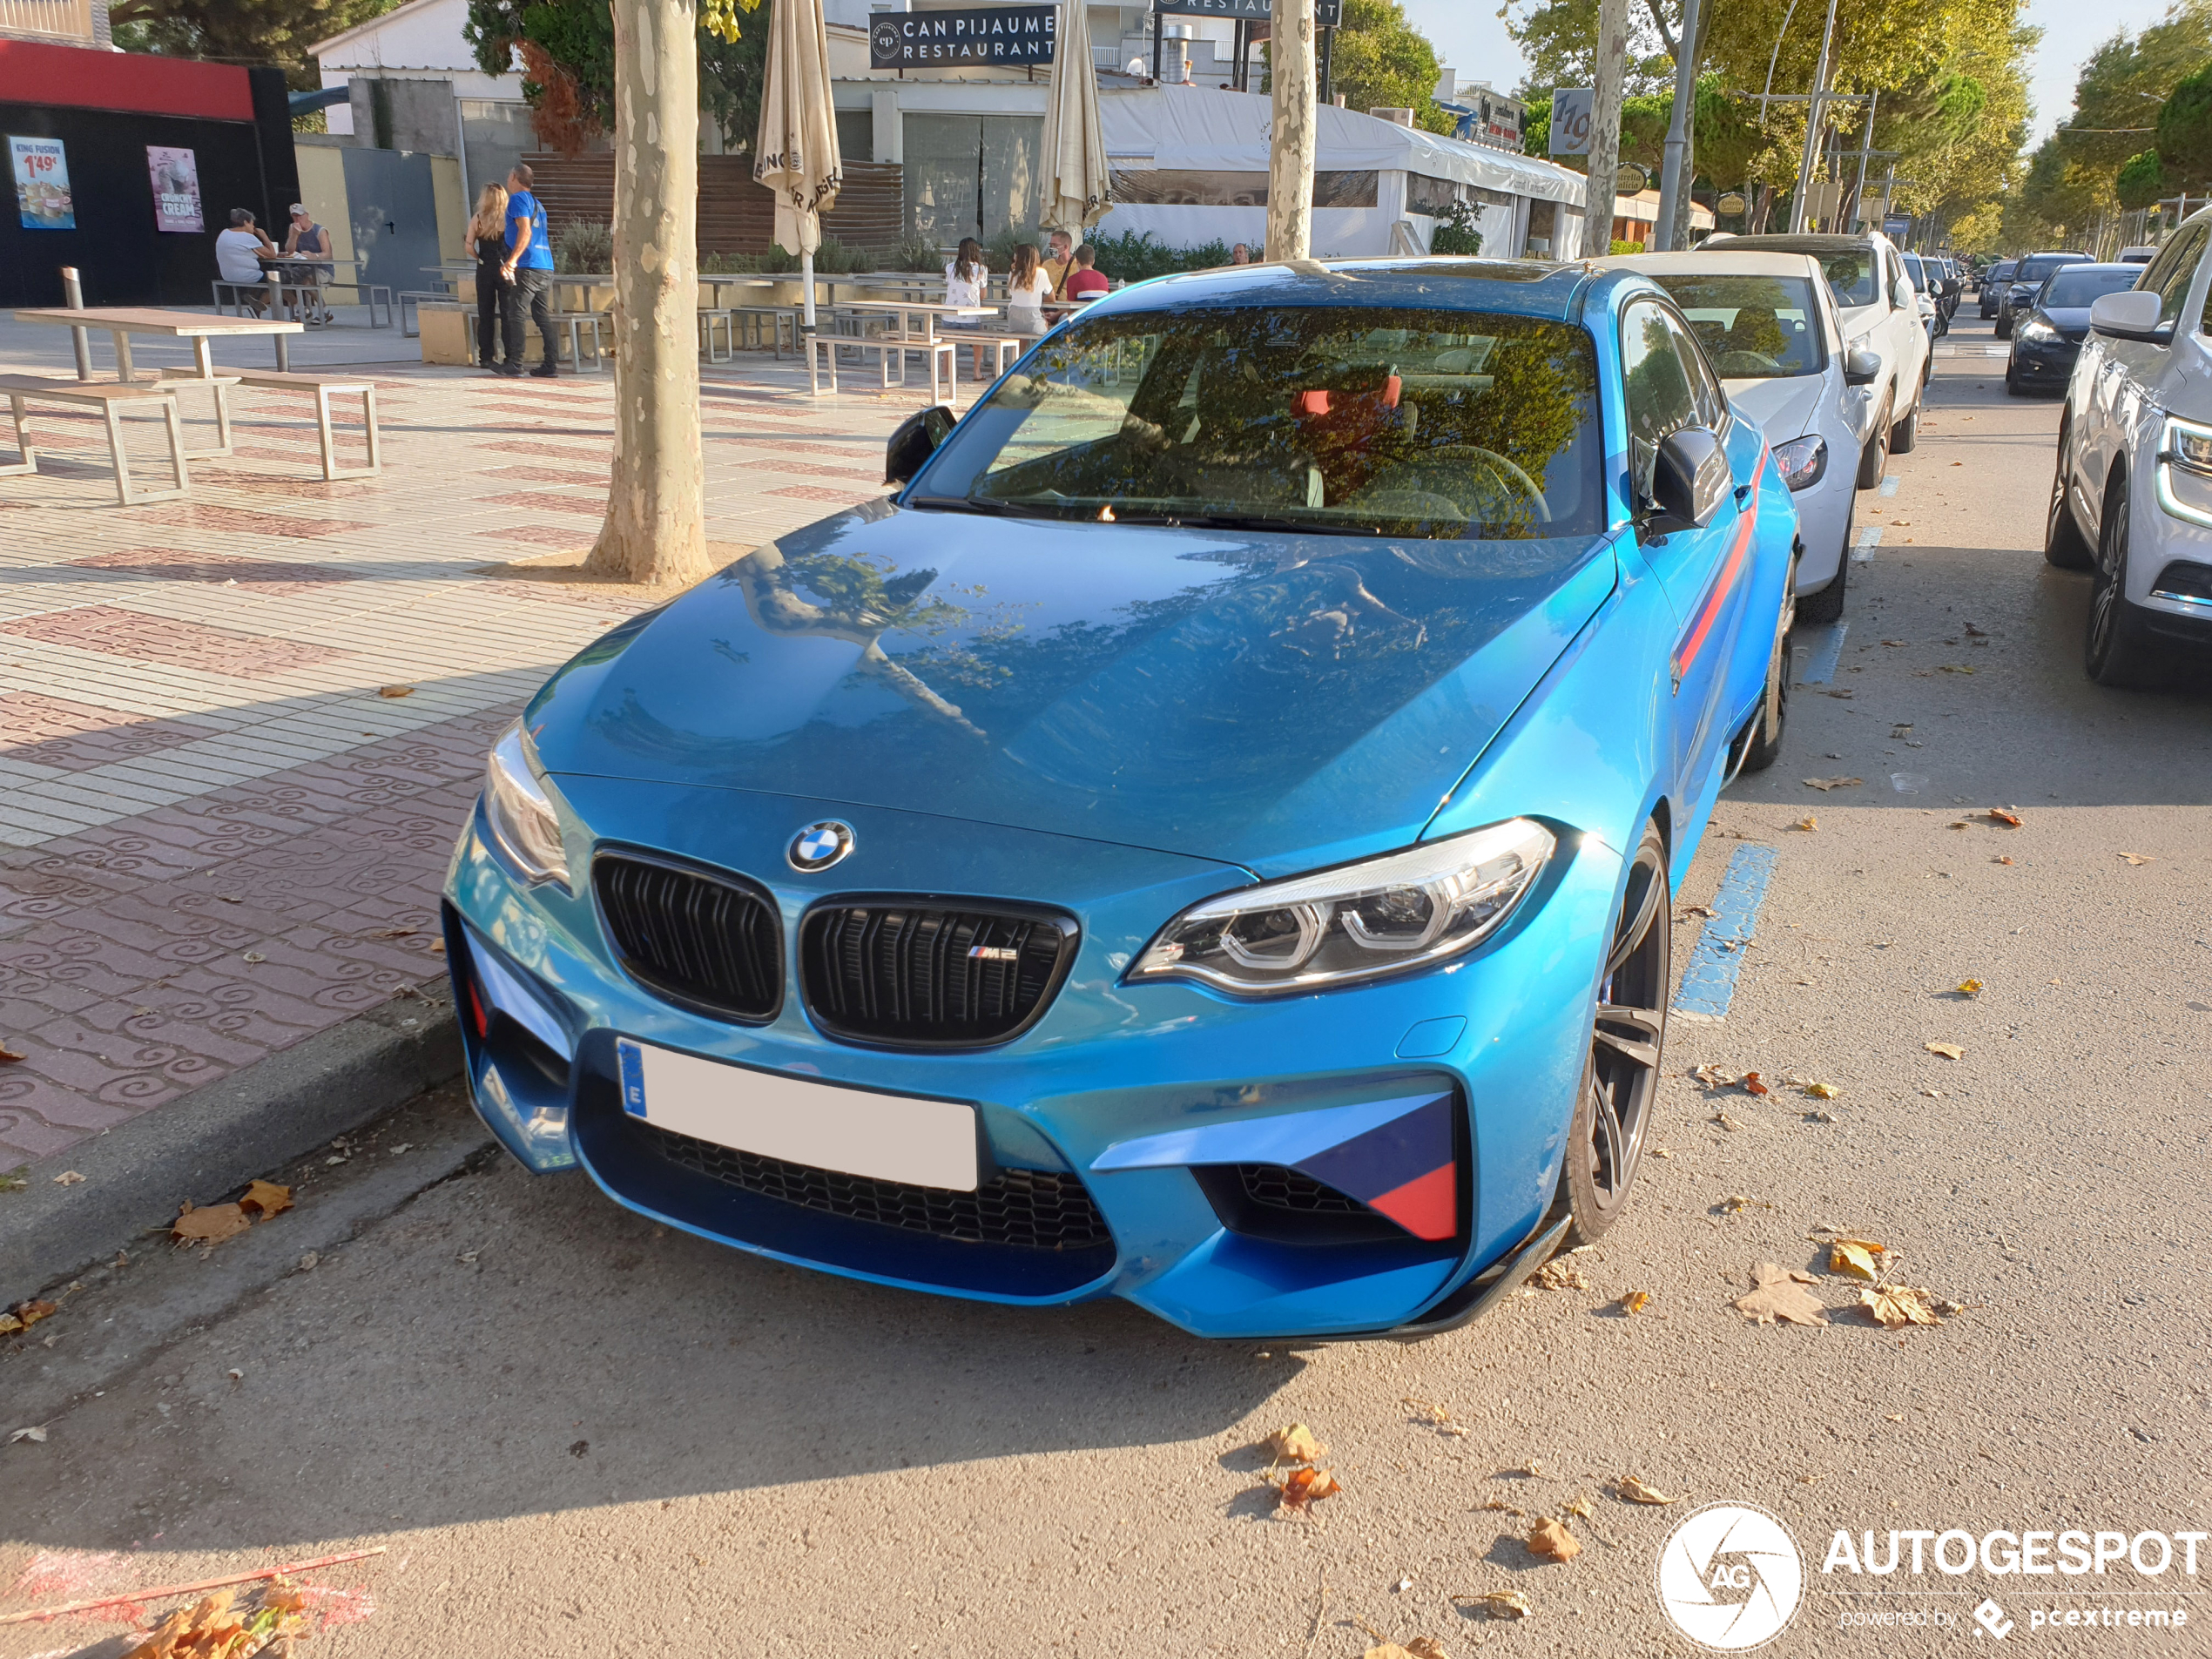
(1187, 129)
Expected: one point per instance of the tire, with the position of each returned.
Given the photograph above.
(1773, 718)
(2064, 545)
(1827, 606)
(1906, 433)
(2012, 384)
(2120, 649)
(1875, 458)
(2004, 327)
(1620, 1088)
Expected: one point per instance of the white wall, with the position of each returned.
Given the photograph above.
(1337, 231)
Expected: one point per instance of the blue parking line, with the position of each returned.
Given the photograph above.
(1862, 550)
(1825, 643)
(1709, 983)
(1889, 486)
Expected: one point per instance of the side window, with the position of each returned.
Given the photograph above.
(2161, 265)
(1659, 395)
(1900, 285)
(2173, 290)
(1704, 385)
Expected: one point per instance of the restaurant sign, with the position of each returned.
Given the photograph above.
(1009, 35)
(1328, 14)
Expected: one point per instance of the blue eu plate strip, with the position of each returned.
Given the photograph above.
(1708, 983)
(1823, 643)
(632, 1063)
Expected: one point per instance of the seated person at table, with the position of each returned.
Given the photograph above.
(307, 246)
(1086, 280)
(237, 258)
(966, 277)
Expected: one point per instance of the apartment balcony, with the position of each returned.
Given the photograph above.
(69, 22)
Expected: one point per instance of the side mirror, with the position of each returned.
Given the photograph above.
(1689, 482)
(1861, 366)
(2130, 314)
(915, 441)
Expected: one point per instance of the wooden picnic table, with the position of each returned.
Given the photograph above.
(123, 322)
(929, 311)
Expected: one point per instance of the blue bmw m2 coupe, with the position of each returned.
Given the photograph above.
(1206, 838)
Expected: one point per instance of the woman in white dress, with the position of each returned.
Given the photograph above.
(966, 277)
(1026, 289)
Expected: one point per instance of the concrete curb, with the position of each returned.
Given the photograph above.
(218, 1137)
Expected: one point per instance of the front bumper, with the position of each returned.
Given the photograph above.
(2047, 363)
(1092, 1092)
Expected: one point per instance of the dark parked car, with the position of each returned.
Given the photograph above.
(2015, 297)
(2050, 331)
(1993, 283)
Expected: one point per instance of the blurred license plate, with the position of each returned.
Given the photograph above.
(886, 1137)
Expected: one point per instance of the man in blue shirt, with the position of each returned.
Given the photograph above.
(528, 273)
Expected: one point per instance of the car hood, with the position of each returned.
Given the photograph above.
(1785, 406)
(1273, 700)
(2073, 321)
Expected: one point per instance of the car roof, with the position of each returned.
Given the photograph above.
(1807, 242)
(1727, 260)
(2103, 265)
(1520, 288)
(2056, 253)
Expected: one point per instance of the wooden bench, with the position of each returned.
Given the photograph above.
(891, 353)
(105, 396)
(770, 320)
(1006, 349)
(323, 386)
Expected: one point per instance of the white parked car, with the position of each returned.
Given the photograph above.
(2131, 498)
(1769, 325)
(1880, 311)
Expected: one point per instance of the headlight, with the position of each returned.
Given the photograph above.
(521, 813)
(2185, 470)
(1802, 460)
(2036, 332)
(1384, 915)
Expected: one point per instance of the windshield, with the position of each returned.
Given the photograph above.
(1370, 421)
(1851, 276)
(1753, 327)
(2042, 264)
(2003, 271)
(2077, 290)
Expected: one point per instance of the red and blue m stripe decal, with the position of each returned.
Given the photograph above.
(1708, 609)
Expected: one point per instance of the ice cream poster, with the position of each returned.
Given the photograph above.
(176, 189)
(42, 184)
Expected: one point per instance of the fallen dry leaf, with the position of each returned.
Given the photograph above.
(1948, 1050)
(1825, 783)
(209, 1226)
(1304, 1488)
(1892, 642)
(1633, 1490)
(9, 1056)
(1703, 910)
(1753, 1086)
(1500, 1604)
(1856, 1256)
(1999, 815)
(1777, 1295)
(395, 691)
(2135, 858)
(1808, 822)
(35, 1434)
(1550, 1540)
(1532, 1469)
(1712, 1076)
(1725, 1122)
(1734, 1203)
(1560, 1274)
(1578, 1505)
(1895, 1305)
(1296, 1444)
(267, 1198)
(1662, 1151)
(2001, 860)
(1970, 988)
(1426, 1647)
(1823, 1091)
(1503, 1507)
(69, 1178)
(1636, 1301)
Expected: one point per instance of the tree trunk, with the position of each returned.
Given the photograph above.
(655, 527)
(1605, 128)
(1290, 150)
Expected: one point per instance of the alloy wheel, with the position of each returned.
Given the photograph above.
(1619, 1084)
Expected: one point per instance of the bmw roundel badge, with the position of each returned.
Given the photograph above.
(820, 845)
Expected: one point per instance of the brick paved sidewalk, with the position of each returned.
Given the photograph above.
(218, 834)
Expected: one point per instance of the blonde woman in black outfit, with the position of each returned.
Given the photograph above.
(488, 241)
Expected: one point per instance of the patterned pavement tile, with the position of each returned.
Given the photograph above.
(165, 639)
(811, 492)
(540, 502)
(544, 475)
(222, 569)
(69, 737)
(238, 520)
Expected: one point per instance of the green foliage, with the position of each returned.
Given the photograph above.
(2185, 130)
(1134, 255)
(241, 31)
(834, 257)
(918, 254)
(2142, 181)
(567, 51)
(1380, 61)
(1558, 40)
(583, 247)
(998, 250)
(1456, 233)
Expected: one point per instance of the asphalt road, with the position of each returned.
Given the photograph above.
(580, 1435)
